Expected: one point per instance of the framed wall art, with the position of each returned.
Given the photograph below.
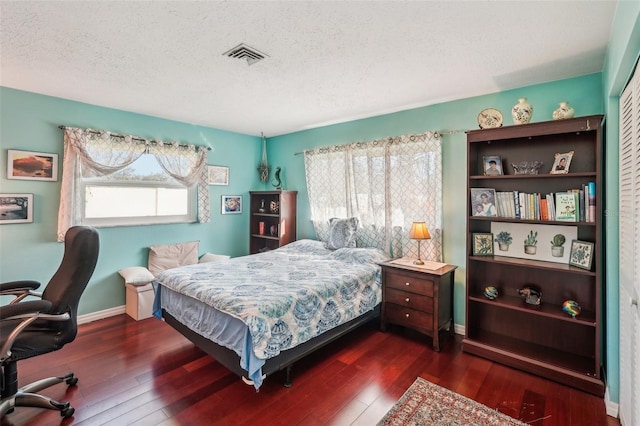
(231, 204)
(218, 175)
(28, 165)
(581, 254)
(548, 243)
(561, 163)
(16, 208)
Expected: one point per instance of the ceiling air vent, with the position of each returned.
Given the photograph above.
(242, 51)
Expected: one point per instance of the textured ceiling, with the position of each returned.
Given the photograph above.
(327, 62)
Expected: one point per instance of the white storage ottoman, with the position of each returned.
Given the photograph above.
(139, 303)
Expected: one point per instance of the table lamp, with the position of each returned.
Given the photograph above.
(419, 232)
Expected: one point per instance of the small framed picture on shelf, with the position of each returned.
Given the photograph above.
(29, 165)
(482, 244)
(561, 163)
(231, 204)
(492, 165)
(16, 208)
(483, 202)
(581, 254)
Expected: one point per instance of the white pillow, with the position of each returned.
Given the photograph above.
(167, 256)
(210, 257)
(136, 275)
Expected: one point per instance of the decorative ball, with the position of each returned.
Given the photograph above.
(571, 307)
(491, 292)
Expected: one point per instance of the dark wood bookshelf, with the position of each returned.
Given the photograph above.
(540, 339)
(282, 220)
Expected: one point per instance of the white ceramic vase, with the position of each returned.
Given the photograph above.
(563, 111)
(522, 112)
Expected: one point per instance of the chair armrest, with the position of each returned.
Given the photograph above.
(16, 286)
(23, 309)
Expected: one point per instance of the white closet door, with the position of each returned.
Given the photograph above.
(629, 219)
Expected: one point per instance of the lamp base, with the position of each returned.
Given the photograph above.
(418, 262)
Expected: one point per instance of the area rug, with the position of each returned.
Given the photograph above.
(427, 404)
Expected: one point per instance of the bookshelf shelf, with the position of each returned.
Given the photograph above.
(540, 339)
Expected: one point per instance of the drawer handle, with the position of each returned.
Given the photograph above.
(407, 284)
(406, 300)
(406, 315)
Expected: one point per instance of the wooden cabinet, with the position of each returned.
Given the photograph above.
(273, 219)
(418, 298)
(540, 339)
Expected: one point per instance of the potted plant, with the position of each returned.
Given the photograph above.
(557, 250)
(503, 239)
(530, 242)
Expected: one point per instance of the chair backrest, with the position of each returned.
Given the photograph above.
(81, 248)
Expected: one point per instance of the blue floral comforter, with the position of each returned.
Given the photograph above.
(285, 296)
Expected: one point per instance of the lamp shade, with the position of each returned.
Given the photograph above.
(419, 231)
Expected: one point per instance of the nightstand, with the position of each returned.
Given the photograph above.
(417, 297)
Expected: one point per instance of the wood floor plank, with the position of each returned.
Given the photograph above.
(145, 373)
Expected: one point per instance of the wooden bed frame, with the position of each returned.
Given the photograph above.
(284, 360)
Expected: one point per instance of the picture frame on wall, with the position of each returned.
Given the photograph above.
(231, 204)
(561, 163)
(581, 254)
(16, 208)
(482, 244)
(218, 175)
(30, 165)
(492, 165)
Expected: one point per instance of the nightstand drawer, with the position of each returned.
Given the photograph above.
(409, 300)
(408, 317)
(415, 283)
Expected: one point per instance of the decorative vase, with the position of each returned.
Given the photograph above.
(563, 111)
(522, 112)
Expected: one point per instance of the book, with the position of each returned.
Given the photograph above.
(591, 190)
(516, 204)
(566, 207)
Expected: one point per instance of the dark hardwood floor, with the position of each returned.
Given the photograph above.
(145, 373)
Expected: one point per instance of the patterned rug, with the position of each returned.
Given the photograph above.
(427, 404)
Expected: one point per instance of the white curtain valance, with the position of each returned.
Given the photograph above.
(89, 152)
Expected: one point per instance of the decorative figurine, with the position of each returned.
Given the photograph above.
(491, 292)
(531, 295)
(277, 183)
(571, 308)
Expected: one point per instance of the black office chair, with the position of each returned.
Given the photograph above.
(32, 328)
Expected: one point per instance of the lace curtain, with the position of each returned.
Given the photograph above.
(98, 153)
(387, 184)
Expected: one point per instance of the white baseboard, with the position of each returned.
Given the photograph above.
(459, 329)
(611, 407)
(94, 316)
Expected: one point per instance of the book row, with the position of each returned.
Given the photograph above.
(574, 205)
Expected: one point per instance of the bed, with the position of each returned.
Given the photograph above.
(259, 314)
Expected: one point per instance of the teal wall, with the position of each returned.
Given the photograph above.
(622, 55)
(583, 93)
(30, 122)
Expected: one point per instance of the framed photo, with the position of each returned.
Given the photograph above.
(483, 202)
(16, 208)
(581, 254)
(561, 163)
(218, 175)
(492, 165)
(231, 204)
(482, 244)
(30, 165)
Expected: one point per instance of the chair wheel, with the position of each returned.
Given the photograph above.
(72, 381)
(67, 412)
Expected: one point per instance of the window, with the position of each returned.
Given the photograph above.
(141, 193)
(114, 180)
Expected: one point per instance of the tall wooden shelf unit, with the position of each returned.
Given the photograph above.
(283, 220)
(542, 339)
